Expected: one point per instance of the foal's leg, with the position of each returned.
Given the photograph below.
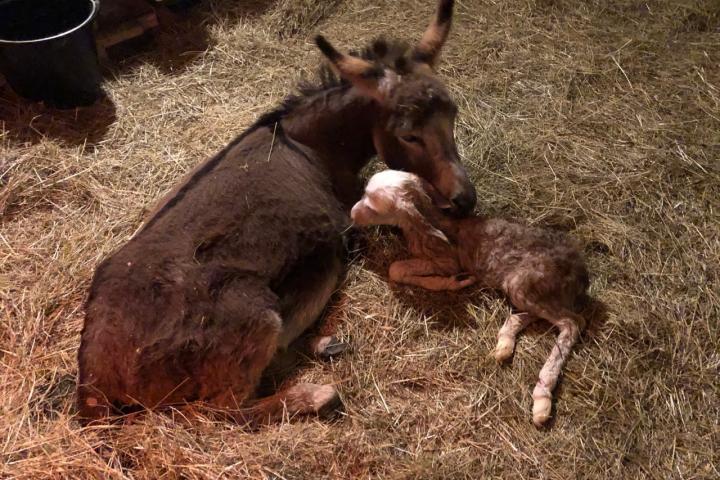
(568, 324)
(419, 272)
(514, 324)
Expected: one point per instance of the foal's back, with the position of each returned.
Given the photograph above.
(498, 249)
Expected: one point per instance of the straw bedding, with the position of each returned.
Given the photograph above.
(600, 118)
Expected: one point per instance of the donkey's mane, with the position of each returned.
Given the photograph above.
(386, 54)
(382, 53)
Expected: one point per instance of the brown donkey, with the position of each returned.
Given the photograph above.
(241, 258)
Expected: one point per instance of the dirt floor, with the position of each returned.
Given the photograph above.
(601, 118)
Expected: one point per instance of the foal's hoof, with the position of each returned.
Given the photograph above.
(541, 411)
(329, 347)
(504, 349)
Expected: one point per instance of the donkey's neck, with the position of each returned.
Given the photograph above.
(337, 125)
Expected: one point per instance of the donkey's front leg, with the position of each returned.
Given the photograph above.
(304, 295)
(424, 273)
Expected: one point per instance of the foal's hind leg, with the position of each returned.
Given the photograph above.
(514, 324)
(568, 323)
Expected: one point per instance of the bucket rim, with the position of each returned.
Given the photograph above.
(94, 10)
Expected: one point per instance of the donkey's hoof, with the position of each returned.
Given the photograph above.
(463, 280)
(541, 411)
(504, 349)
(329, 347)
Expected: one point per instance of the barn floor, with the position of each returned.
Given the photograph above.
(601, 118)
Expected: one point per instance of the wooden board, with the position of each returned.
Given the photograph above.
(122, 20)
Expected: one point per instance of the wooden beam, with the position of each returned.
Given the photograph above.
(127, 30)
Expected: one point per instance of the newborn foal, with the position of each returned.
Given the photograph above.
(541, 271)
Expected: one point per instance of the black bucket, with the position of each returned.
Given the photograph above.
(47, 50)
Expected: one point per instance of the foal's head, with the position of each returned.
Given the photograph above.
(417, 114)
(389, 196)
(398, 198)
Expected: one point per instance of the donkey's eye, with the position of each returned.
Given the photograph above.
(411, 139)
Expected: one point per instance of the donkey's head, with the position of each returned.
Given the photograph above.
(414, 131)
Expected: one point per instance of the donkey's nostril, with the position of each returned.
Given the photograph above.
(465, 202)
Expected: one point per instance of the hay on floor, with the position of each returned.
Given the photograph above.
(601, 118)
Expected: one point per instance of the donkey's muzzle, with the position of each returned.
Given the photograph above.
(464, 203)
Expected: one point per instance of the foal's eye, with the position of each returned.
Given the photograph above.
(411, 139)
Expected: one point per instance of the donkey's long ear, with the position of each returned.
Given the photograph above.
(428, 49)
(367, 77)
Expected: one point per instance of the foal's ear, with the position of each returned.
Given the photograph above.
(420, 221)
(368, 78)
(427, 51)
